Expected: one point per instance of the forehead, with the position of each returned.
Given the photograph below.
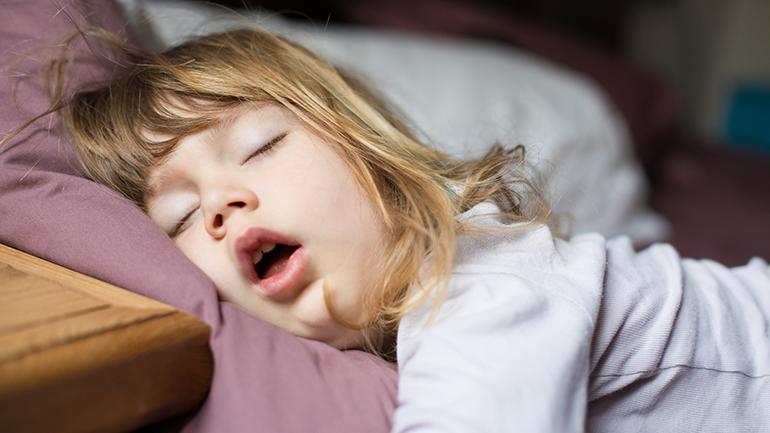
(246, 123)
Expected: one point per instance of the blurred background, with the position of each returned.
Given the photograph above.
(714, 53)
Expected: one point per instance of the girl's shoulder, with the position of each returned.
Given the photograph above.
(487, 239)
(505, 258)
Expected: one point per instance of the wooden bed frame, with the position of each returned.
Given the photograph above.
(81, 355)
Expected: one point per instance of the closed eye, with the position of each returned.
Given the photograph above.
(182, 225)
(267, 146)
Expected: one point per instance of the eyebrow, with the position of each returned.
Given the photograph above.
(207, 133)
(160, 183)
(220, 125)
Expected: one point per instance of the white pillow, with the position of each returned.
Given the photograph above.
(465, 95)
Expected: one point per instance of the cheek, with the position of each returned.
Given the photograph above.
(195, 249)
(314, 171)
(190, 246)
(311, 308)
(316, 185)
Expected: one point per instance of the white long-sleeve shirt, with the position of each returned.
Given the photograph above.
(542, 335)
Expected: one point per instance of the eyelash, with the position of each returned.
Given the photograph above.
(262, 149)
(178, 227)
(267, 146)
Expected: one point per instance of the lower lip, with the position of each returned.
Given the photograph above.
(286, 279)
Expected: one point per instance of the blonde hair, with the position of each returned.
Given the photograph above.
(417, 191)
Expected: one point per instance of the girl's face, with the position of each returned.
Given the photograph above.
(272, 214)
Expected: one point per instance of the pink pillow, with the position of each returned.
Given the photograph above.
(265, 378)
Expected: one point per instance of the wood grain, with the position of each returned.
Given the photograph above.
(80, 355)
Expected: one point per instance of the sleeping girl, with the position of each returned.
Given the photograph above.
(310, 204)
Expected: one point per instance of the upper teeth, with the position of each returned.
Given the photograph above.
(257, 254)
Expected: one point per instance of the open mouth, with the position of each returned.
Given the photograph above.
(273, 263)
(271, 259)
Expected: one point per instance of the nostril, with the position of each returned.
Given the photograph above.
(238, 204)
(218, 221)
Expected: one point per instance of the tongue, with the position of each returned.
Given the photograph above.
(277, 261)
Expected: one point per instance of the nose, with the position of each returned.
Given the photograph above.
(220, 203)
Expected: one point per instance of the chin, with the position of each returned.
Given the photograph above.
(347, 339)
